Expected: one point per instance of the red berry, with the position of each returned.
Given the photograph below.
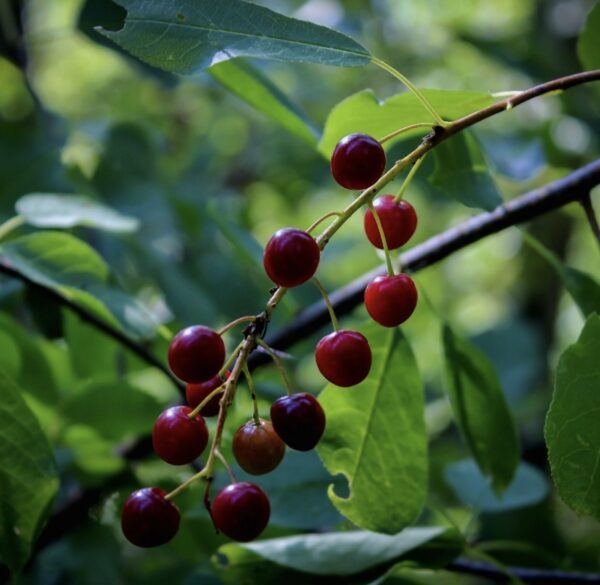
(299, 420)
(358, 160)
(196, 354)
(241, 511)
(258, 448)
(391, 300)
(196, 393)
(399, 222)
(178, 439)
(291, 257)
(344, 357)
(148, 519)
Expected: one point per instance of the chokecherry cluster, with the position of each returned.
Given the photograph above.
(197, 356)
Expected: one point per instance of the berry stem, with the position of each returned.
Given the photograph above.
(252, 389)
(418, 94)
(317, 222)
(409, 178)
(230, 359)
(187, 483)
(235, 323)
(278, 364)
(11, 224)
(334, 320)
(206, 400)
(226, 465)
(386, 251)
(403, 130)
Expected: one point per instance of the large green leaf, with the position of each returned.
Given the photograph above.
(584, 289)
(185, 36)
(588, 45)
(528, 487)
(461, 172)
(480, 410)
(376, 438)
(50, 210)
(70, 267)
(28, 476)
(363, 112)
(341, 553)
(255, 88)
(572, 431)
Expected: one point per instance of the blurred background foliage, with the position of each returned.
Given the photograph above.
(210, 180)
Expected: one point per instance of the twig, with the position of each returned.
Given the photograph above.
(586, 203)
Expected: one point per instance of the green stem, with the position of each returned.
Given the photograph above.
(386, 251)
(206, 400)
(278, 365)
(317, 222)
(235, 323)
(187, 483)
(252, 389)
(409, 178)
(10, 225)
(418, 94)
(232, 357)
(226, 465)
(403, 130)
(332, 316)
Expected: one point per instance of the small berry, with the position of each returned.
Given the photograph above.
(358, 160)
(398, 219)
(258, 448)
(196, 354)
(391, 300)
(196, 393)
(241, 511)
(178, 439)
(291, 257)
(148, 519)
(344, 357)
(299, 420)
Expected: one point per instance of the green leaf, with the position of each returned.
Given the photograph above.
(375, 437)
(70, 267)
(116, 411)
(528, 487)
(185, 36)
(363, 112)
(341, 553)
(65, 211)
(461, 172)
(480, 410)
(584, 289)
(588, 45)
(572, 432)
(28, 476)
(252, 86)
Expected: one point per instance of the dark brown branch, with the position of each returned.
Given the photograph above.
(571, 188)
(7, 268)
(586, 203)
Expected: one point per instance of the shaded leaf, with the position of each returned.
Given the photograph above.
(28, 476)
(255, 88)
(588, 44)
(375, 437)
(363, 112)
(65, 211)
(461, 172)
(480, 410)
(572, 432)
(185, 36)
(528, 487)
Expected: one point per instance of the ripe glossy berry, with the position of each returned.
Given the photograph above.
(258, 448)
(178, 439)
(241, 511)
(291, 257)
(148, 519)
(358, 160)
(399, 222)
(196, 354)
(299, 420)
(391, 300)
(196, 393)
(344, 357)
